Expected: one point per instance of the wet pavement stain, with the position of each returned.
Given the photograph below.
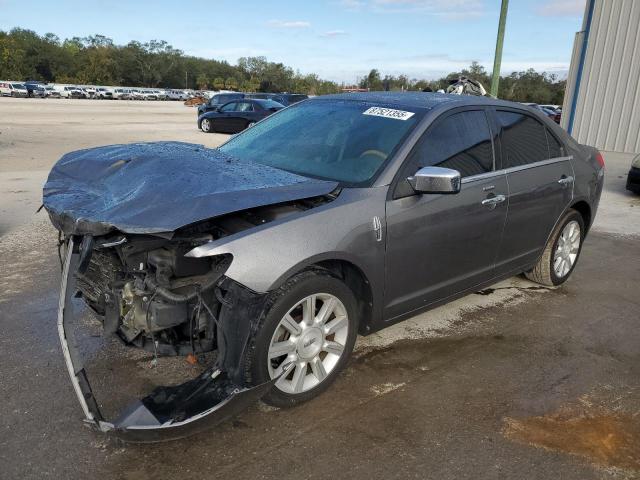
(605, 438)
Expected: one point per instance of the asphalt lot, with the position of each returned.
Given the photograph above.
(512, 382)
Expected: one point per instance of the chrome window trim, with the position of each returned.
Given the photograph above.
(519, 168)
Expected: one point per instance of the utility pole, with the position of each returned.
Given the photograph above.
(497, 59)
(186, 81)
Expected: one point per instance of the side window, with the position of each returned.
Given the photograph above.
(555, 149)
(229, 107)
(245, 107)
(524, 139)
(461, 141)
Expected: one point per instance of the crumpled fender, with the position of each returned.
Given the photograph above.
(167, 413)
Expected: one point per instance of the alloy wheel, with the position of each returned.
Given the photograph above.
(308, 343)
(567, 249)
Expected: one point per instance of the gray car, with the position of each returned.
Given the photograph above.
(338, 216)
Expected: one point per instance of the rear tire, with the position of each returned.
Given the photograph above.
(561, 253)
(317, 352)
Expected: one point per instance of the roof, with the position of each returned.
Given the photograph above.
(425, 100)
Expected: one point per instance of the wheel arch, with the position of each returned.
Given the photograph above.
(584, 209)
(351, 274)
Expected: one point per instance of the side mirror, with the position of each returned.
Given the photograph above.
(435, 180)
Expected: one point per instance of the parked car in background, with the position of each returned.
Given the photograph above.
(104, 93)
(32, 85)
(39, 91)
(285, 99)
(339, 215)
(633, 178)
(13, 89)
(161, 94)
(121, 93)
(137, 94)
(90, 91)
(50, 92)
(176, 95)
(150, 95)
(35, 89)
(235, 116)
(549, 112)
(70, 91)
(217, 100)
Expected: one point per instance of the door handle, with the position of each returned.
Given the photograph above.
(492, 202)
(564, 181)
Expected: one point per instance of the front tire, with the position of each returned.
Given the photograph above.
(305, 337)
(561, 253)
(206, 126)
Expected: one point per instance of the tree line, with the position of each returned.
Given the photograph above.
(97, 60)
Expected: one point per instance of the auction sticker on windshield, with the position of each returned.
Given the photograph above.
(388, 113)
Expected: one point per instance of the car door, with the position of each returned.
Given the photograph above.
(439, 245)
(222, 121)
(540, 181)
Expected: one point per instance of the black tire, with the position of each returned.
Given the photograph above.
(279, 303)
(544, 272)
(209, 130)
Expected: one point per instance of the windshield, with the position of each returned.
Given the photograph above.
(338, 140)
(19, 86)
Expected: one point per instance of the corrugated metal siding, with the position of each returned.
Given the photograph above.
(608, 110)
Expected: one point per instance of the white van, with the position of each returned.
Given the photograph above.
(13, 89)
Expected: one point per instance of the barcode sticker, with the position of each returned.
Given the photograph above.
(388, 113)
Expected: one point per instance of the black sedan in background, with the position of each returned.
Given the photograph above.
(235, 116)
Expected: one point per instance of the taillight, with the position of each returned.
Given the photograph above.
(600, 159)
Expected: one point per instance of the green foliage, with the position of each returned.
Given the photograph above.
(529, 86)
(96, 60)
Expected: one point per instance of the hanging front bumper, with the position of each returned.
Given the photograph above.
(167, 413)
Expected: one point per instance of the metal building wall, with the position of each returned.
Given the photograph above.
(607, 111)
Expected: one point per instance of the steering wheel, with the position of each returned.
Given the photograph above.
(376, 153)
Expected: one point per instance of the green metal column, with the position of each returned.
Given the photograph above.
(497, 60)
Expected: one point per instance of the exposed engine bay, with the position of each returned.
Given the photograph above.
(145, 291)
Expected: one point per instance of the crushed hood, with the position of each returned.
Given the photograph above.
(156, 188)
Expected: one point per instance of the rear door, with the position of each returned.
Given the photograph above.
(439, 245)
(245, 113)
(540, 180)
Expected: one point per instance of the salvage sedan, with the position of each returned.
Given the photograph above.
(337, 216)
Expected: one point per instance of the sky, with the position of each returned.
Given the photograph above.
(340, 40)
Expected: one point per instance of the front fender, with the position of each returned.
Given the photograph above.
(265, 256)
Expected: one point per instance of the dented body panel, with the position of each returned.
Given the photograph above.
(156, 188)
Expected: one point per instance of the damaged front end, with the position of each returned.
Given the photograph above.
(128, 214)
(158, 300)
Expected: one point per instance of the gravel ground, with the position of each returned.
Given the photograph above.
(514, 382)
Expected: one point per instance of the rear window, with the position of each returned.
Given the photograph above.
(524, 139)
(270, 104)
